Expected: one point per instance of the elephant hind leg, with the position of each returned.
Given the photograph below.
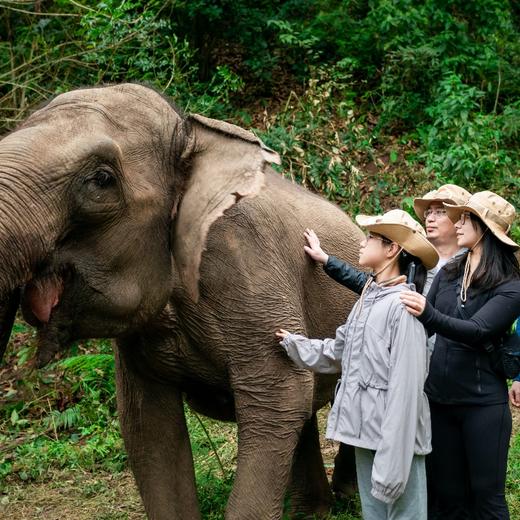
(309, 493)
(344, 481)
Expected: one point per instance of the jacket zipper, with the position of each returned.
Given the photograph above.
(352, 325)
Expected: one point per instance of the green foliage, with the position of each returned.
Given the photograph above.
(318, 137)
(466, 146)
(65, 414)
(64, 420)
(463, 142)
(125, 40)
(112, 41)
(513, 478)
(416, 44)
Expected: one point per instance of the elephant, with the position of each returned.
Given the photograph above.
(122, 217)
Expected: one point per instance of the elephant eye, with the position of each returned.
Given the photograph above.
(102, 178)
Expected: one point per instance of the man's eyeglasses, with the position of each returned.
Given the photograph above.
(437, 213)
(378, 237)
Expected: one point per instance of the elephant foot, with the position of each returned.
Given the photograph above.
(305, 511)
(345, 490)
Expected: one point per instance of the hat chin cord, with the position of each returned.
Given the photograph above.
(387, 265)
(466, 278)
(373, 276)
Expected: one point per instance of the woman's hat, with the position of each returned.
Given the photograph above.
(492, 209)
(450, 193)
(400, 227)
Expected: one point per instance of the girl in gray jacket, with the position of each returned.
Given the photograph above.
(380, 407)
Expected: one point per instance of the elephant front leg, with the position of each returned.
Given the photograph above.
(270, 418)
(157, 442)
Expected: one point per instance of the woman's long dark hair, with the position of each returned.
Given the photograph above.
(405, 262)
(498, 263)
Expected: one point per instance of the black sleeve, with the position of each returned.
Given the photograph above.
(488, 323)
(345, 274)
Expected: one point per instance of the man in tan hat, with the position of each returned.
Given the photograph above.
(439, 228)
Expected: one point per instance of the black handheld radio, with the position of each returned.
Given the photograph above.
(411, 273)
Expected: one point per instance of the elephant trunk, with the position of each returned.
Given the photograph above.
(8, 310)
(27, 234)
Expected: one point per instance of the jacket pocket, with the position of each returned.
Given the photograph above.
(373, 398)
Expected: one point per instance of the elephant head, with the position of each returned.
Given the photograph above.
(100, 190)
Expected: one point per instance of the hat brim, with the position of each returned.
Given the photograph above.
(421, 205)
(409, 239)
(454, 212)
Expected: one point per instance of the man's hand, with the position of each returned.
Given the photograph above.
(313, 249)
(514, 394)
(413, 302)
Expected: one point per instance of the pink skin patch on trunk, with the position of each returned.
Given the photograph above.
(43, 297)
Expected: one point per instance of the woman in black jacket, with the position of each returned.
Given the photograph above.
(479, 296)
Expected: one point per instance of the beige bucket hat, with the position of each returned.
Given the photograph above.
(492, 209)
(450, 193)
(400, 227)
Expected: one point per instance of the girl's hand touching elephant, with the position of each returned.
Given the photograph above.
(282, 333)
(413, 302)
(313, 249)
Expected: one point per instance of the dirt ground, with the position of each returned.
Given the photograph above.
(79, 495)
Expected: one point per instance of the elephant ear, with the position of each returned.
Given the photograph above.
(226, 163)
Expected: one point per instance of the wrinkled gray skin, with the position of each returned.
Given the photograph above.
(111, 207)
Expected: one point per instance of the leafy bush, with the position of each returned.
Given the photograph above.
(318, 135)
(465, 146)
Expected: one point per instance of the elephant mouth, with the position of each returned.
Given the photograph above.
(41, 305)
(43, 293)
(40, 296)
(38, 300)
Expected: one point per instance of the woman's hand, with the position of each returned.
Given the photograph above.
(313, 249)
(281, 333)
(413, 302)
(514, 394)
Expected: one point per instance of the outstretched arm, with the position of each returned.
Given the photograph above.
(490, 321)
(320, 356)
(340, 271)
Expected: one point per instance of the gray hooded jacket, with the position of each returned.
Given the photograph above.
(380, 404)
